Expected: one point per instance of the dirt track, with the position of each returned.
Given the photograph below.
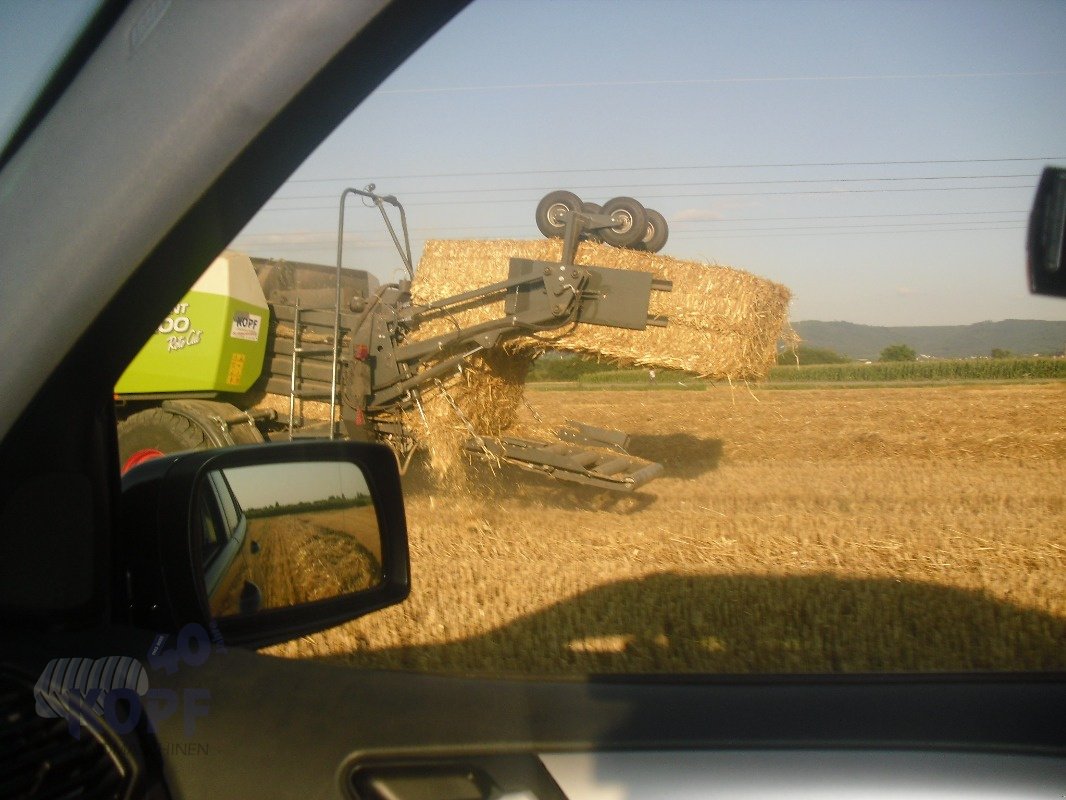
(806, 530)
(306, 557)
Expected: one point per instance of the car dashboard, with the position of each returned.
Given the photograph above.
(244, 724)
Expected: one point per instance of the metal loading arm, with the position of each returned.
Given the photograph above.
(592, 466)
(538, 296)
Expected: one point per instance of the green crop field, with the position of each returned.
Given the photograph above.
(1011, 370)
(1006, 369)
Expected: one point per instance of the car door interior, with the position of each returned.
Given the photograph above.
(227, 721)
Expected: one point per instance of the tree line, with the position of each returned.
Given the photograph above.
(330, 503)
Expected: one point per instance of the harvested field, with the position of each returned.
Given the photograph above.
(805, 531)
(309, 556)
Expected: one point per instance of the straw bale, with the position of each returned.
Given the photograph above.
(724, 323)
(487, 394)
(490, 389)
(482, 399)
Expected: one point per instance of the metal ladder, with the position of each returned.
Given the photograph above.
(298, 353)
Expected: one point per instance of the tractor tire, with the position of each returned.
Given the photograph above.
(631, 222)
(551, 210)
(155, 432)
(657, 232)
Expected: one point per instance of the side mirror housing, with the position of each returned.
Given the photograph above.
(269, 542)
(1047, 235)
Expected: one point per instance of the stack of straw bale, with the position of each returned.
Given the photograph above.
(724, 323)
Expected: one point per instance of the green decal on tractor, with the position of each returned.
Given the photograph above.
(213, 341)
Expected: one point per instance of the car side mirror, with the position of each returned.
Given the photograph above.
(1047, 235)
(269, 542)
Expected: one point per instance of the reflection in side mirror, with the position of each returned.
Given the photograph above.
(1047, 235)
(285, 534)
(271, 541)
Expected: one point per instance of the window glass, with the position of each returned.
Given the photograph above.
(227, 502)
(34, 37)
(874, 486)
(214, 537)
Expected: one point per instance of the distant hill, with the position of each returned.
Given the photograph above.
(1020, 336)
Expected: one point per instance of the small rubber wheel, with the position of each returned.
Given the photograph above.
(155, 432)
(631, 222)
(551, 212)
(657, 231)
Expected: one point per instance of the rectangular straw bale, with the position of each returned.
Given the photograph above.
(724, 323)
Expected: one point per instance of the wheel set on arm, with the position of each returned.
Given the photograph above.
(620, 222)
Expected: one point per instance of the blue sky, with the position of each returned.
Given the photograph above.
(707, 111)
(303, 482)
(770, 135)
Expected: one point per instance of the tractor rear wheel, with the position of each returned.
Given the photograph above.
(551, 212)
(155, 432)
(631, 222)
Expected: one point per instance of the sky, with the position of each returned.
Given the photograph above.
(295, 483)
(878, 158)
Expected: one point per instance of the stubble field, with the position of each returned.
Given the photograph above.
(816, 530)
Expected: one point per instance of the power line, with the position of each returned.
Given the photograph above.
(678, 227)
(709, 81)
(325, 238)
(854, 216)
(681, 167)
(759, 234)
(730, 220)
(931, 225)
(687, 183)
(498, 201)
(384, 245)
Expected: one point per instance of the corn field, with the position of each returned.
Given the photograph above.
(1006, 369)
(961, 370)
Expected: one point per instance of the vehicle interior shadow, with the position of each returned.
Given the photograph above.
(749, 624)
(681, 454)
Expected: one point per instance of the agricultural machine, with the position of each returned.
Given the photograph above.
(307, 333)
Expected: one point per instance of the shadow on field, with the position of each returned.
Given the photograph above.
(681, 454)
(749, 623)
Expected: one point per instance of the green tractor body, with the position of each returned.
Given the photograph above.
(213, 341)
